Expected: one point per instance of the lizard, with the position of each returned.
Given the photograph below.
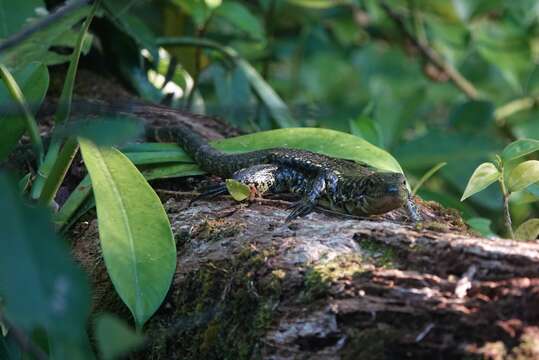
(339, 184)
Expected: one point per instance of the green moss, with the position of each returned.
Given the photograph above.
(317, 280)
(227, 306)
(382, 255)
(216, 230)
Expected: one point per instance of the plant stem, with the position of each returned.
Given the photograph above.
(432, 56)
(506, 213)
(31, 125)
(50, 164)
(23, 340)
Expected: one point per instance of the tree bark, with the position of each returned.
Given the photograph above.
(249, 285)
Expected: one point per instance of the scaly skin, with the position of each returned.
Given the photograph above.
(340, 184)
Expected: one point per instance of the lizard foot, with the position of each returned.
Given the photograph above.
(299, 208)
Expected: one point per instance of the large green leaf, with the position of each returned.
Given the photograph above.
(33, 80)
(483, 176)
(523, 175)
(36, 47)
(137, 243)
(40, 285)
(324, 141)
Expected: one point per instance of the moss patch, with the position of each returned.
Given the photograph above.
(221, 310)
(382, 255)
(318, 279)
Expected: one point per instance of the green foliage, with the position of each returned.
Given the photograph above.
(37, 46)
(263, 65)
(483, 176)
(520, 177)
(114, 338)
(237, 190)
(136, 240)
(33, 81)
(39, 292)
(528, 231)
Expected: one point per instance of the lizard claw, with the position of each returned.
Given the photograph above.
(211, 192)
(299, 208)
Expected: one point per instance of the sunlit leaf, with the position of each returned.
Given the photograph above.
(315, 4)
(523, 175)
(114, 337)
(136, 240)
(483, 176)
(237, 190)
(520, 148)
(528, 231)
(325, 141)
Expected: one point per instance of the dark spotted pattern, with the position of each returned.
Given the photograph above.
(343, 185)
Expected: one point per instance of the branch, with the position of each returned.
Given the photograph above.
(24, 342)
(432, 56)
(513, 107)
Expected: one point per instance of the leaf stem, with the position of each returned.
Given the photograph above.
(31, 125)
(55, 165)
(506, 193)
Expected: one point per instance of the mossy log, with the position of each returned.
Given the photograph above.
(248, 285)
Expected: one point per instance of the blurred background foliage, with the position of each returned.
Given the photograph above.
(429, 81)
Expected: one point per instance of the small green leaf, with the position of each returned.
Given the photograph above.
(114, 338)
(523, 175)
(484, 175)
(237, 190)
(520, 148)
(136, 240)
(528, 231)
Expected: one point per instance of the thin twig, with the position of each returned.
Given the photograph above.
(513, 107)
(432, 56)
(24, 342)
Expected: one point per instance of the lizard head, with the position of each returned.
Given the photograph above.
(378, 193)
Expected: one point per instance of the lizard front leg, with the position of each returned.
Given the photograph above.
(262, 179)
(315, 189)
